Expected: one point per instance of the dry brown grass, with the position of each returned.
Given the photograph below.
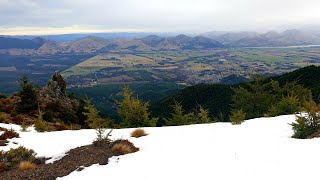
(138, 133)
(26, 165)
(122, 147)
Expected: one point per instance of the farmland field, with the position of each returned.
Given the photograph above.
(190, 67)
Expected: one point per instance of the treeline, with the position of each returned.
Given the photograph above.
(286, 94)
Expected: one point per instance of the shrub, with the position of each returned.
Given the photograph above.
(24, 126)
(5, 118)
(105, 140)
(179, 117)
(39, 124)
(14, 157)
(2, 119)
(60, 126)
(26, 165)
(9, 134)
(121, 147)
(138, 133)
(219, 118)
(94, 120)
(18, 119)
(287, 105)
(133, 111)
(255, 99)
(48, 116)
(306, 126)
(237, 117)
(203, 115)
(28, 95)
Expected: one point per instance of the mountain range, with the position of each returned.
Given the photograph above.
(270, 39)
(92, 44)
(210, 40)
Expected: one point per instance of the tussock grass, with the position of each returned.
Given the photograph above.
(122, 147)
(138, 133)
(26, 165)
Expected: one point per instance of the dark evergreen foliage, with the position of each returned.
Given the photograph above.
(307, 124)
(215, 97)
(28, 95)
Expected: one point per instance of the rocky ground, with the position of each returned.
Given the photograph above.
(76, 159)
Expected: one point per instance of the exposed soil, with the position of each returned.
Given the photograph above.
(75, 159)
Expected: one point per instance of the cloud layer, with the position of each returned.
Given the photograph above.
(156, 15)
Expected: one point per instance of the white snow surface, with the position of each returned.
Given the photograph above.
(260, 148)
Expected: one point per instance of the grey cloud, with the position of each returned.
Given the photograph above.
(159, 15)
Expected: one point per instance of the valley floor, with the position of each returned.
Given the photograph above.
(257, 149)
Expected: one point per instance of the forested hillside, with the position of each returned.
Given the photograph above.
(217, 98)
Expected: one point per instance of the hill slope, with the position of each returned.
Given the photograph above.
(14, 43)
(257, 149)
(217, 97)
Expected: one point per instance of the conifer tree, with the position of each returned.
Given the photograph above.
(219, 118)
(40, 125)
(94, 120)
(178, 117)
(133, 111)
(237, 116)
(287, 105)
(254, 100)
(28, 95)
(203, 115)
(306, 125)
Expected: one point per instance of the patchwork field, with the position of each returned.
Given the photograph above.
(191, 67)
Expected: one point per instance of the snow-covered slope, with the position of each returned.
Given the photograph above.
(258, 149)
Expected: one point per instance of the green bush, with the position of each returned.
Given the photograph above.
(94, 120)
(203, 115)
(260, 98)
(178, 117)
(28, 95)
(24, 126)
(133, 111)
(13, 157)
(237, 117)
(40, 125)
(287, 105)
(306, 126)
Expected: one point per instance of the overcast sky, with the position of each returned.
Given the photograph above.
(193, 16)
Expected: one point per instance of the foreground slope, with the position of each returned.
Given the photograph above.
(258, 149)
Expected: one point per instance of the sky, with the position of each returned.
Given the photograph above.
(194, 16)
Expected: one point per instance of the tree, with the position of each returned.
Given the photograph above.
(203, 115)
(179, 118)
(93, 120)
(28, 95)
(287, 105)
(254, 100)
(219, 118)
(133, 111)
(40, 125)
(306, 125)
(290, 89)
(237, 117)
